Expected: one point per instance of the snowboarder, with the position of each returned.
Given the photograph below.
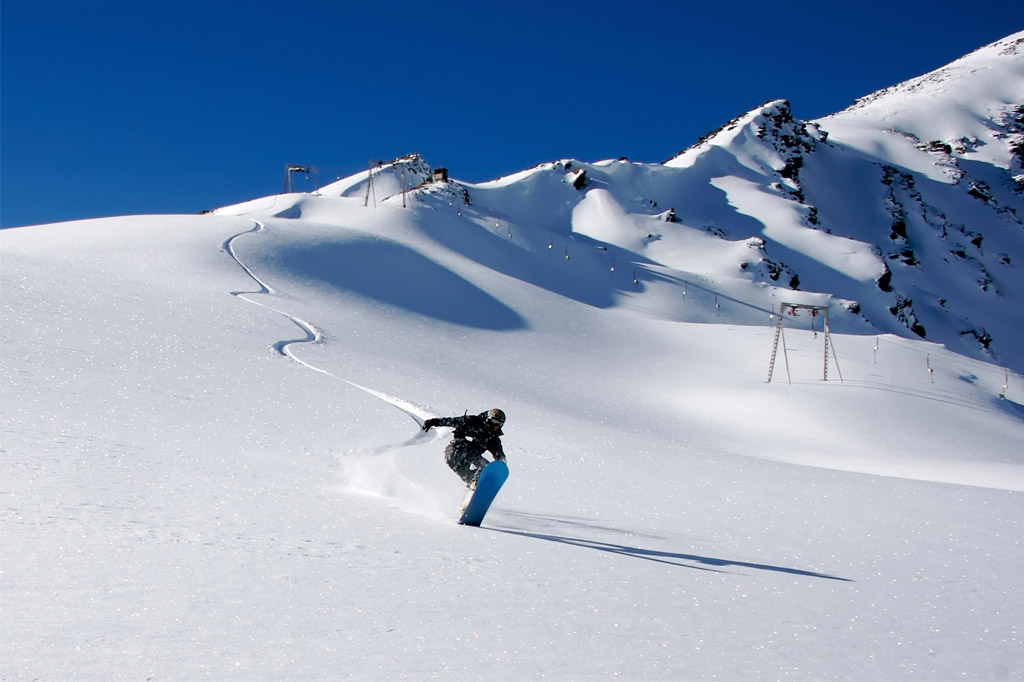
(474, 433)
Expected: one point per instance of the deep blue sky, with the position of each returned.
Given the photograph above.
(175, 106)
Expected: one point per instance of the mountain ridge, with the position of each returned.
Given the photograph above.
(917, 236)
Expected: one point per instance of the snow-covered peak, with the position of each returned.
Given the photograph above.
(726, 134)
(902, 212)
(772, 121)
(966, 104)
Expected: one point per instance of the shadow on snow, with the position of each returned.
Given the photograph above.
(663, 557)
(396, 275)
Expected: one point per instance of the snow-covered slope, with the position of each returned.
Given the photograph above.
(212, 466)
(914, 194)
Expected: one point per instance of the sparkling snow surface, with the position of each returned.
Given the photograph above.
(212, 467)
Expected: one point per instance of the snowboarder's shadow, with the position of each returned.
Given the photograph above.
(576, 522)
(679, 559)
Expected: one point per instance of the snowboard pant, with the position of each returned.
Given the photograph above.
(462, 460)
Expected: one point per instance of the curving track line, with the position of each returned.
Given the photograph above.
(312, 334)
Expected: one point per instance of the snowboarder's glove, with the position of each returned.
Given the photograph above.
(429, 424)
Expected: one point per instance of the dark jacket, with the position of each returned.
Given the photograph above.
(475, 432)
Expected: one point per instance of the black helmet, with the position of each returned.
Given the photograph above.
(496, 417)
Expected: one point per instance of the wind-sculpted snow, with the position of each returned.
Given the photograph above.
(782, 224)
(392, 274)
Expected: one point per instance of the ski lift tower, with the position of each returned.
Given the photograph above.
(291, 169)
(792, 310)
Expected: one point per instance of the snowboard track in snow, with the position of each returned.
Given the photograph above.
(312, 334)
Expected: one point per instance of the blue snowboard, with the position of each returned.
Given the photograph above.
(491, 479)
